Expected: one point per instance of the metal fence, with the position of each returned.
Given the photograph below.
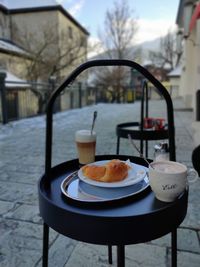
(26, 99)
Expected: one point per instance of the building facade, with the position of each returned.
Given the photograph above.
(48, 32)
(39, 42)
(188, 35)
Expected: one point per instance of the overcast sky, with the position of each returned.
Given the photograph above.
(155, 17)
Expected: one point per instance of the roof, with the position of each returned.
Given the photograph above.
(195, 16)
(175, 72)
(180, 12)
(179, 20)
(13, 81)
(24, 6)
(12, 48)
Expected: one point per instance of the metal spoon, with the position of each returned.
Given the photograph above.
(93, 121)
(134, 145)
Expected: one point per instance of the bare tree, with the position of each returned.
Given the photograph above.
(47, 57)
(119, 31)
(168, 54)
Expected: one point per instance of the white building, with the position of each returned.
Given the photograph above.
(188, 35)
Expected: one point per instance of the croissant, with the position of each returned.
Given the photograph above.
(114, 171)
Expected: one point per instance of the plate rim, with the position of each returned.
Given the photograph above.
(70, 178)
(113, 184)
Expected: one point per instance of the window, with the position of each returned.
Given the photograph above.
(70, 32)
(83, 41)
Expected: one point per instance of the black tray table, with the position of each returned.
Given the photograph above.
(134, 221)
(139, 220)
(134, 130)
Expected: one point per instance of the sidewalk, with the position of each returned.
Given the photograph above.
(22, 146)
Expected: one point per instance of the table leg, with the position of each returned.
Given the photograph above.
(146, 149)
(109, 254)
(45, 245)
(118, 144)
(174, 247)
(121, 256)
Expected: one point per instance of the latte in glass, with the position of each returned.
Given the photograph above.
(86, 146)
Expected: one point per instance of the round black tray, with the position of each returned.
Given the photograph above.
(136, 220)
(124, 129)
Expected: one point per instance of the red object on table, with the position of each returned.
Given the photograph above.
(156, 123)
(159, 123)
(148, 123)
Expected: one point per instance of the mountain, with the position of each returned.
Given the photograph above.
(145, 48)
(139, 51)
(150, 45)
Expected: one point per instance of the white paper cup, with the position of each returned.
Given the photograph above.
(168, 179)
(86, 146)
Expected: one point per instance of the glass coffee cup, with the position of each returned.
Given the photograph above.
(86, 146)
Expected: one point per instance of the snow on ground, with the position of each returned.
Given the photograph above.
(64, 119)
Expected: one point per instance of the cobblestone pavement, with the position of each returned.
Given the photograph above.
(22, 163)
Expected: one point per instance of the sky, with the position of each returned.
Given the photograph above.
(154, 17)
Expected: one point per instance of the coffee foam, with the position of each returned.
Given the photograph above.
(168, 167)
(85, 136)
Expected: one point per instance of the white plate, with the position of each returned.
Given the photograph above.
(136, 174)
